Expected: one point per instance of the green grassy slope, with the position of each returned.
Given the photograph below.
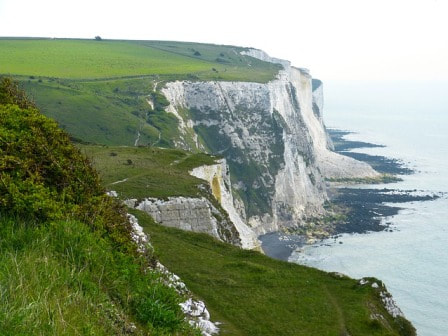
(107, 112)
(87, 59)
(255, 295)
(68, 265)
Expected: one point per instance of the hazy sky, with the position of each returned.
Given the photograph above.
(335, 39)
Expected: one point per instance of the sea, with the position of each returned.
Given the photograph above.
(411, 119)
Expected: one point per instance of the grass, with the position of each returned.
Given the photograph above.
(88, 59)
(61, 278)
(146, 171)
(107, 112)
(255, 295)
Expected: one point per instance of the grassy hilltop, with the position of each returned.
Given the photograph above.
(92, 59)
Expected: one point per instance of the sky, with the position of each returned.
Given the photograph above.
(335, 39)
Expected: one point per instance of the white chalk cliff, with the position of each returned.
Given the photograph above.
(274, 140)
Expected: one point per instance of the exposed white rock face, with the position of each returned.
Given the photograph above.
(195, 310)
(273, 138)
(219, 179)
(137, 234)
(190, 214)
(112, 193)
(386, 297)
(199, 317)
(390, 305)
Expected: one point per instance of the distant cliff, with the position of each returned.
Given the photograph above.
(273, 137)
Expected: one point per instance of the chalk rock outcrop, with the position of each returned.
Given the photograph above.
(190, 214)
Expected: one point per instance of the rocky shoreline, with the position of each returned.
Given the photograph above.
(362, 209)
(380, 163)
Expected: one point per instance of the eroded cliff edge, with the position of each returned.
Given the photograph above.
(273, 137)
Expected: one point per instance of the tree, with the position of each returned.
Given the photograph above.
(98, 38)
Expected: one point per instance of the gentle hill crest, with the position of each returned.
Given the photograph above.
(105, 59)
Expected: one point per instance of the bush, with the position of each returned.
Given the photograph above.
(43, 176)
(10, 93)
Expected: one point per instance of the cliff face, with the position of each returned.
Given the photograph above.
(273, 138)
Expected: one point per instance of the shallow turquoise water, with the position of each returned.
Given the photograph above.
(411, 119)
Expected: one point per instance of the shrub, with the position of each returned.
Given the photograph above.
(43, 176)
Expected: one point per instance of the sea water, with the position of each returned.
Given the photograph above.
(411, 120)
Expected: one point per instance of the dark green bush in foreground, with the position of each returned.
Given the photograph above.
(43, 176)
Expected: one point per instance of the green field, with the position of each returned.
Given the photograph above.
(89, 59)
(252, 294)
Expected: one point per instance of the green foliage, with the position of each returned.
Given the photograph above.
(252, 294)
(43, 176)
(166, 123)
(160, 102)
(107, 112)
(10, 93)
